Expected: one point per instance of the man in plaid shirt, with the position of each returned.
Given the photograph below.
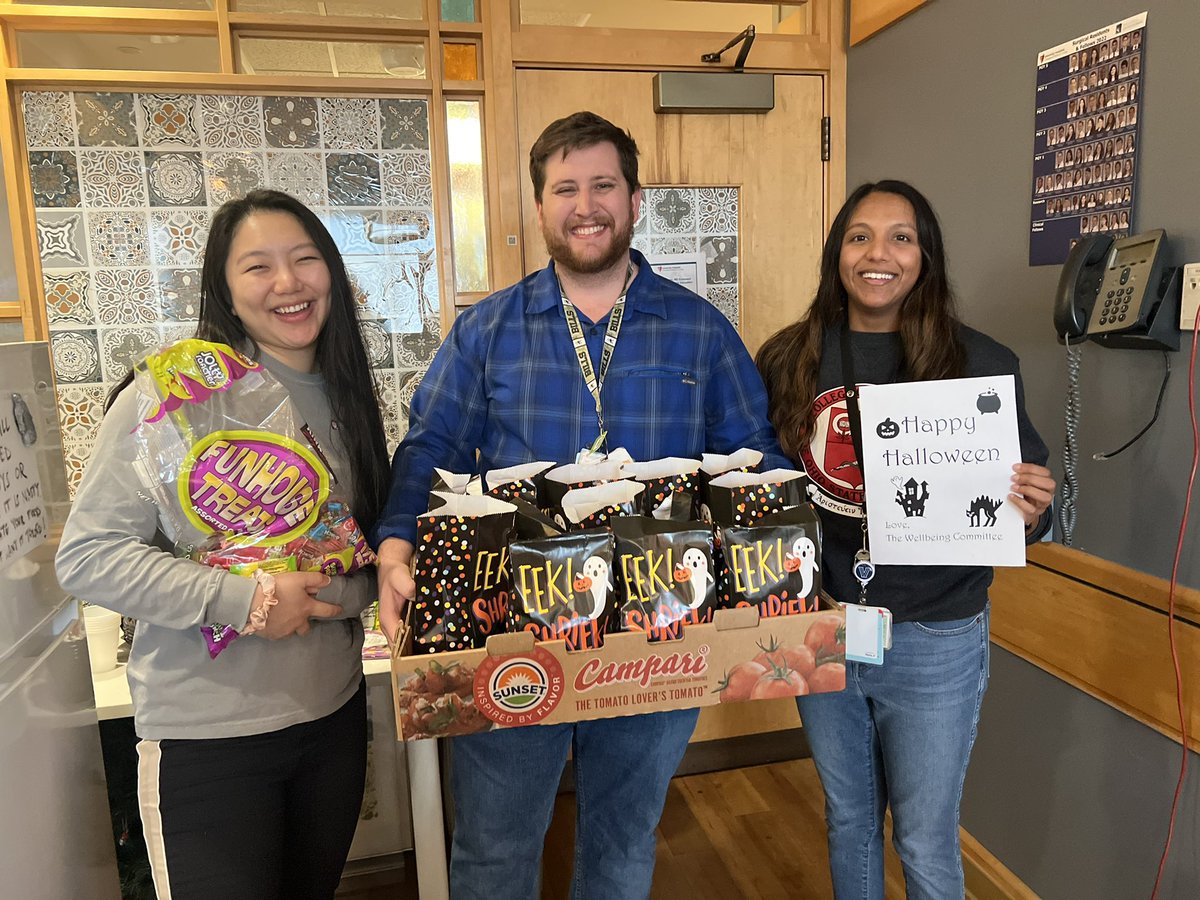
(664, 374)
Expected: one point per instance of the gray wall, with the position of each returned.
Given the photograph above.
(1071, 795)
(944, 99)
(1074, 796)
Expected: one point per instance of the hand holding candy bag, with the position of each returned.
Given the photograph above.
(239, 480)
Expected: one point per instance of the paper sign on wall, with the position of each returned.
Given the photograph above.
(938, 459)
(688, 270)
(22, 515)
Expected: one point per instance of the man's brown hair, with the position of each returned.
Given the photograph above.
(576, 132)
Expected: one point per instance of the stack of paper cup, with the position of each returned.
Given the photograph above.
(103, 634)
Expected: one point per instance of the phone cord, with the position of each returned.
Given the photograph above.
(1066, 509)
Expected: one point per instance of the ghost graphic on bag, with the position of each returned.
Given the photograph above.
(697, 563)
(595, 570)
(804, 558)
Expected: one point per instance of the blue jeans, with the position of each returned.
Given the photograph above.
(504, 785)
(901, 735)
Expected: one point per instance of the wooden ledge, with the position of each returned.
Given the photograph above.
(1117, 579)
(1102, 628)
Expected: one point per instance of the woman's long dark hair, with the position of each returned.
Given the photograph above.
(341, 357)
(790, 360)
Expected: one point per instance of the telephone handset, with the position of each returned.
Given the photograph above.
(1121, 289)
(1078, 285)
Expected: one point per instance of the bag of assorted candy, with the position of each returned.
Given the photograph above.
(237, 475)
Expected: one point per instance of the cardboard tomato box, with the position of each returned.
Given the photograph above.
(515, 681)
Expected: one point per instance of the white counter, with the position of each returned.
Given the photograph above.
(112, 688)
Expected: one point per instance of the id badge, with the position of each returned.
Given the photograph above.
(866, 629)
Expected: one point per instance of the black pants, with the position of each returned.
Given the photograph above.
(264, 817)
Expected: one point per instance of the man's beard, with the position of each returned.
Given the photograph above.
(564, 257)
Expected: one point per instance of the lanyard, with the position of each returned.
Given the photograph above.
(863, 569)
(594, 378)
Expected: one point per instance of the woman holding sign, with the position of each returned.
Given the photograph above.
(900, 735)
(253, 737)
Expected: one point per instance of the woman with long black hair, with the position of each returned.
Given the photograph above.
(251, 764)
(900, 735)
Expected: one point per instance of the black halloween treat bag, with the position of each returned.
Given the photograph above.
(596, 506)
(664, 574)
(774, 564)
(455, 483)
(523, 482)
(561, 479)
(562, 586)
(714, 465)
(742, 498)
(461, 572)
(672, 487)
(443, 483)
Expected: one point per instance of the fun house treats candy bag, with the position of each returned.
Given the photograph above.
(239, 479)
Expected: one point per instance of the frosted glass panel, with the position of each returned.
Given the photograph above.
(138, 4)
(345, 59)
(122, 52)
(384, 9)
(469, 213)
(668, 15)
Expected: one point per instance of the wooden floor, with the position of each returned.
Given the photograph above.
(756, 832)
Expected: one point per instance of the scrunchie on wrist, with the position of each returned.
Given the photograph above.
(258, 616)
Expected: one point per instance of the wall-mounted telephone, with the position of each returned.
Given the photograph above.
(1119, 293)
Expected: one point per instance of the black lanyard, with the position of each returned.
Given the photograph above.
(863, 569)
(593, 378)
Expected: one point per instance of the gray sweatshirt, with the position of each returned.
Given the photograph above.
(113, 553)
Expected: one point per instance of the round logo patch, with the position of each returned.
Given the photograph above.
(252, 482)
(520, 689)
(829, 458)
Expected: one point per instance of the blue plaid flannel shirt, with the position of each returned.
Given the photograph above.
(505, 388)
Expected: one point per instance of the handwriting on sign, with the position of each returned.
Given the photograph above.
(22, 514)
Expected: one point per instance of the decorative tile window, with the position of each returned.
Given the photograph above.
(690, 220)
(124, 188)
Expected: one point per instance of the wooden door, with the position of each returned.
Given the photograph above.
(773, 159)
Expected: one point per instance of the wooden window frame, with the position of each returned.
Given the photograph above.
(505, 46)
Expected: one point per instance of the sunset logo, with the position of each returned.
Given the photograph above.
(518, 684)
(520, 689)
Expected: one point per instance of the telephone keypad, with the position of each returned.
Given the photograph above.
(1117, 302)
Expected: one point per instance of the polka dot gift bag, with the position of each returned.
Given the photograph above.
(461, 572)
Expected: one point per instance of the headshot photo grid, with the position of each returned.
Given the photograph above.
(1086, 137)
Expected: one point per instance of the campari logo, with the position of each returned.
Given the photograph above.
(520, 689)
